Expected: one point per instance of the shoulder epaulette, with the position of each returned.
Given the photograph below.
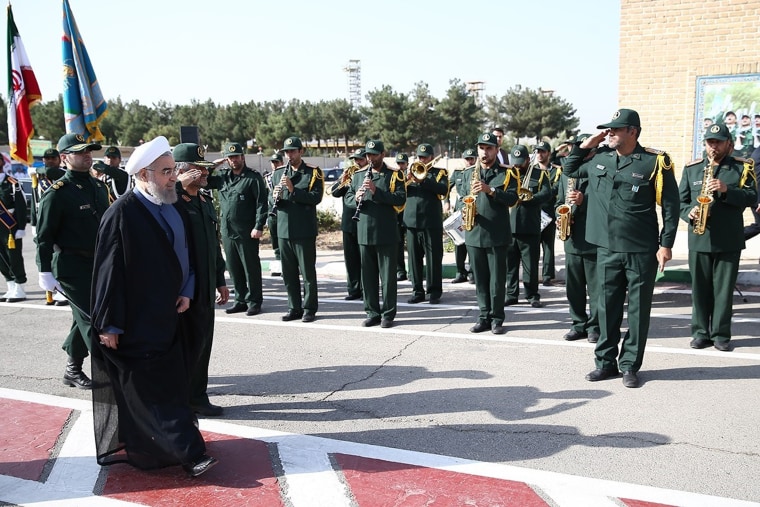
(11, 180)
(363, 169)
(745, 160)
(654, 151)
(505, 166)
(58, 184)
(696, 161)
(557, 166)
(186, 198)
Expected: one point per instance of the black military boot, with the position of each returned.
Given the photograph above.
(74, 376)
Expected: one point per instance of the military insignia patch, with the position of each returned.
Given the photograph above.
(616, 115)
(715, 129)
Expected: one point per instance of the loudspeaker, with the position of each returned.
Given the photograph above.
(189, 134)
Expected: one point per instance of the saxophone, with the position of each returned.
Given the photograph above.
(565, 213)
(469, 210)
(704, 201)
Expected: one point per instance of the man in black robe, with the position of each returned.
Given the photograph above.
(142, 280)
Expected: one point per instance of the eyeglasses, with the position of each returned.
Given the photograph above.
(166, 172)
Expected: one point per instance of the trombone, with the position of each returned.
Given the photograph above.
(418, 171)
(523, 187)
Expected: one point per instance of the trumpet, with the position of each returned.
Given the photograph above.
(344, 180)
(360, 200)
(277, 192)
(418, 171)
(565, 213)
(704, 201)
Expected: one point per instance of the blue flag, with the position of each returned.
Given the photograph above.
(83, 104)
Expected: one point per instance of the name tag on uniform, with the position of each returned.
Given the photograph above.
(84, 206)
(242, 197)
(637, 175)
(600, 166)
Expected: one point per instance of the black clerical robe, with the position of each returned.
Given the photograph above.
(140, 395)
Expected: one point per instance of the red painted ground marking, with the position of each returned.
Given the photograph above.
(380, 483)
(27, 436)
(243, 477)
(639, 503)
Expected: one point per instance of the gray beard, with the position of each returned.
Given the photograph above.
(165, 196)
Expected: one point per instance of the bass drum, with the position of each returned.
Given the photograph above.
(453, 226)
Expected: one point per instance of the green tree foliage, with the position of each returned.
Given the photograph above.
(461, 118)
(47, 118)
(525, 112)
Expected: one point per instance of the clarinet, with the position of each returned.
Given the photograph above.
(360, 201)
(277, 192)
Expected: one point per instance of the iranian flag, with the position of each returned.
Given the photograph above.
(23, 92)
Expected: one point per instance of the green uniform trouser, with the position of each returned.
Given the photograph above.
(11, 260)
(244, 265)
(427, 244)
(379, 261)
(74, 273)
(300, 255)
(198, 329)
(401, 264)
(272, 225)
(713, 278)
(353, 260)
(547, 246)
(580, 277)
(460, 255)
(489, 268)
(618, 271)
(525, 248)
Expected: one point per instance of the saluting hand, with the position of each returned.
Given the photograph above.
(595, 140)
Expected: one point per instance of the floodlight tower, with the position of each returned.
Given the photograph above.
(354, 69)
(477, 89)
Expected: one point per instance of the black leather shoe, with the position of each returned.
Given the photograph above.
(416, 299)
(386, 323)
(74, 376)
(510, 302)
(308, 317)
(200, 466)
(237, 308)
(480, 327)
(372, 321)
(253, 310)
(536, 304)
(593, 337)
(352, 297)
(400, 277)
(700, 343)
(630, 379)
(499, 329)
(292, 315)
(207, 410)
(575, 335)
(470, 277)
(724, 346)
(547, 282)
(62, 302)
(435, 300)
(601, 374)
(459, 278)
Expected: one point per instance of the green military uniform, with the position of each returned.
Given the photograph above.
(68, 219)
(622, 221)
(42, 180)
(525, 220)
(377, 234)
(115, 179)
(351, 253)
(297, 230)
(714, 256)
(424, 229)
(549, 233)
(272, 217)
(489, 239)
(13, 214)
(243, 206)
(580, 266)
(462, 187)
(401, 251)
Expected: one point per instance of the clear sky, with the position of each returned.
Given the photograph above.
(263, 50)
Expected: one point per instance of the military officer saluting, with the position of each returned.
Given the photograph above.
(109, 172)
(380, 194)
(299, 187)
(67, 228)
(726, 185)
(626, 183)
(494, 186)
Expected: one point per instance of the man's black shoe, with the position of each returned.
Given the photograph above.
(459, 278)
(292, 315)
(372, 321)
(630, 379)
(61, 302)
(237, 308)
(386, 323)
(207, 410)
(416, 299)
(575, 335)
(470, 277)
(352, 297)
(724, 346)
(308, 317)
(700, 343)
(510, 302)
(200, 466)
(547, 282)
(480, 327)
(601, 374)
(593, 337)
(536, 304)
(400, 277)
(435, 300)
(499, 329)
(253, 310)
(74, 376)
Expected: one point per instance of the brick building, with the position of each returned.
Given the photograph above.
(665, 45)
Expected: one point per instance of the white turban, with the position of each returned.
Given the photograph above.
(146, 153)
